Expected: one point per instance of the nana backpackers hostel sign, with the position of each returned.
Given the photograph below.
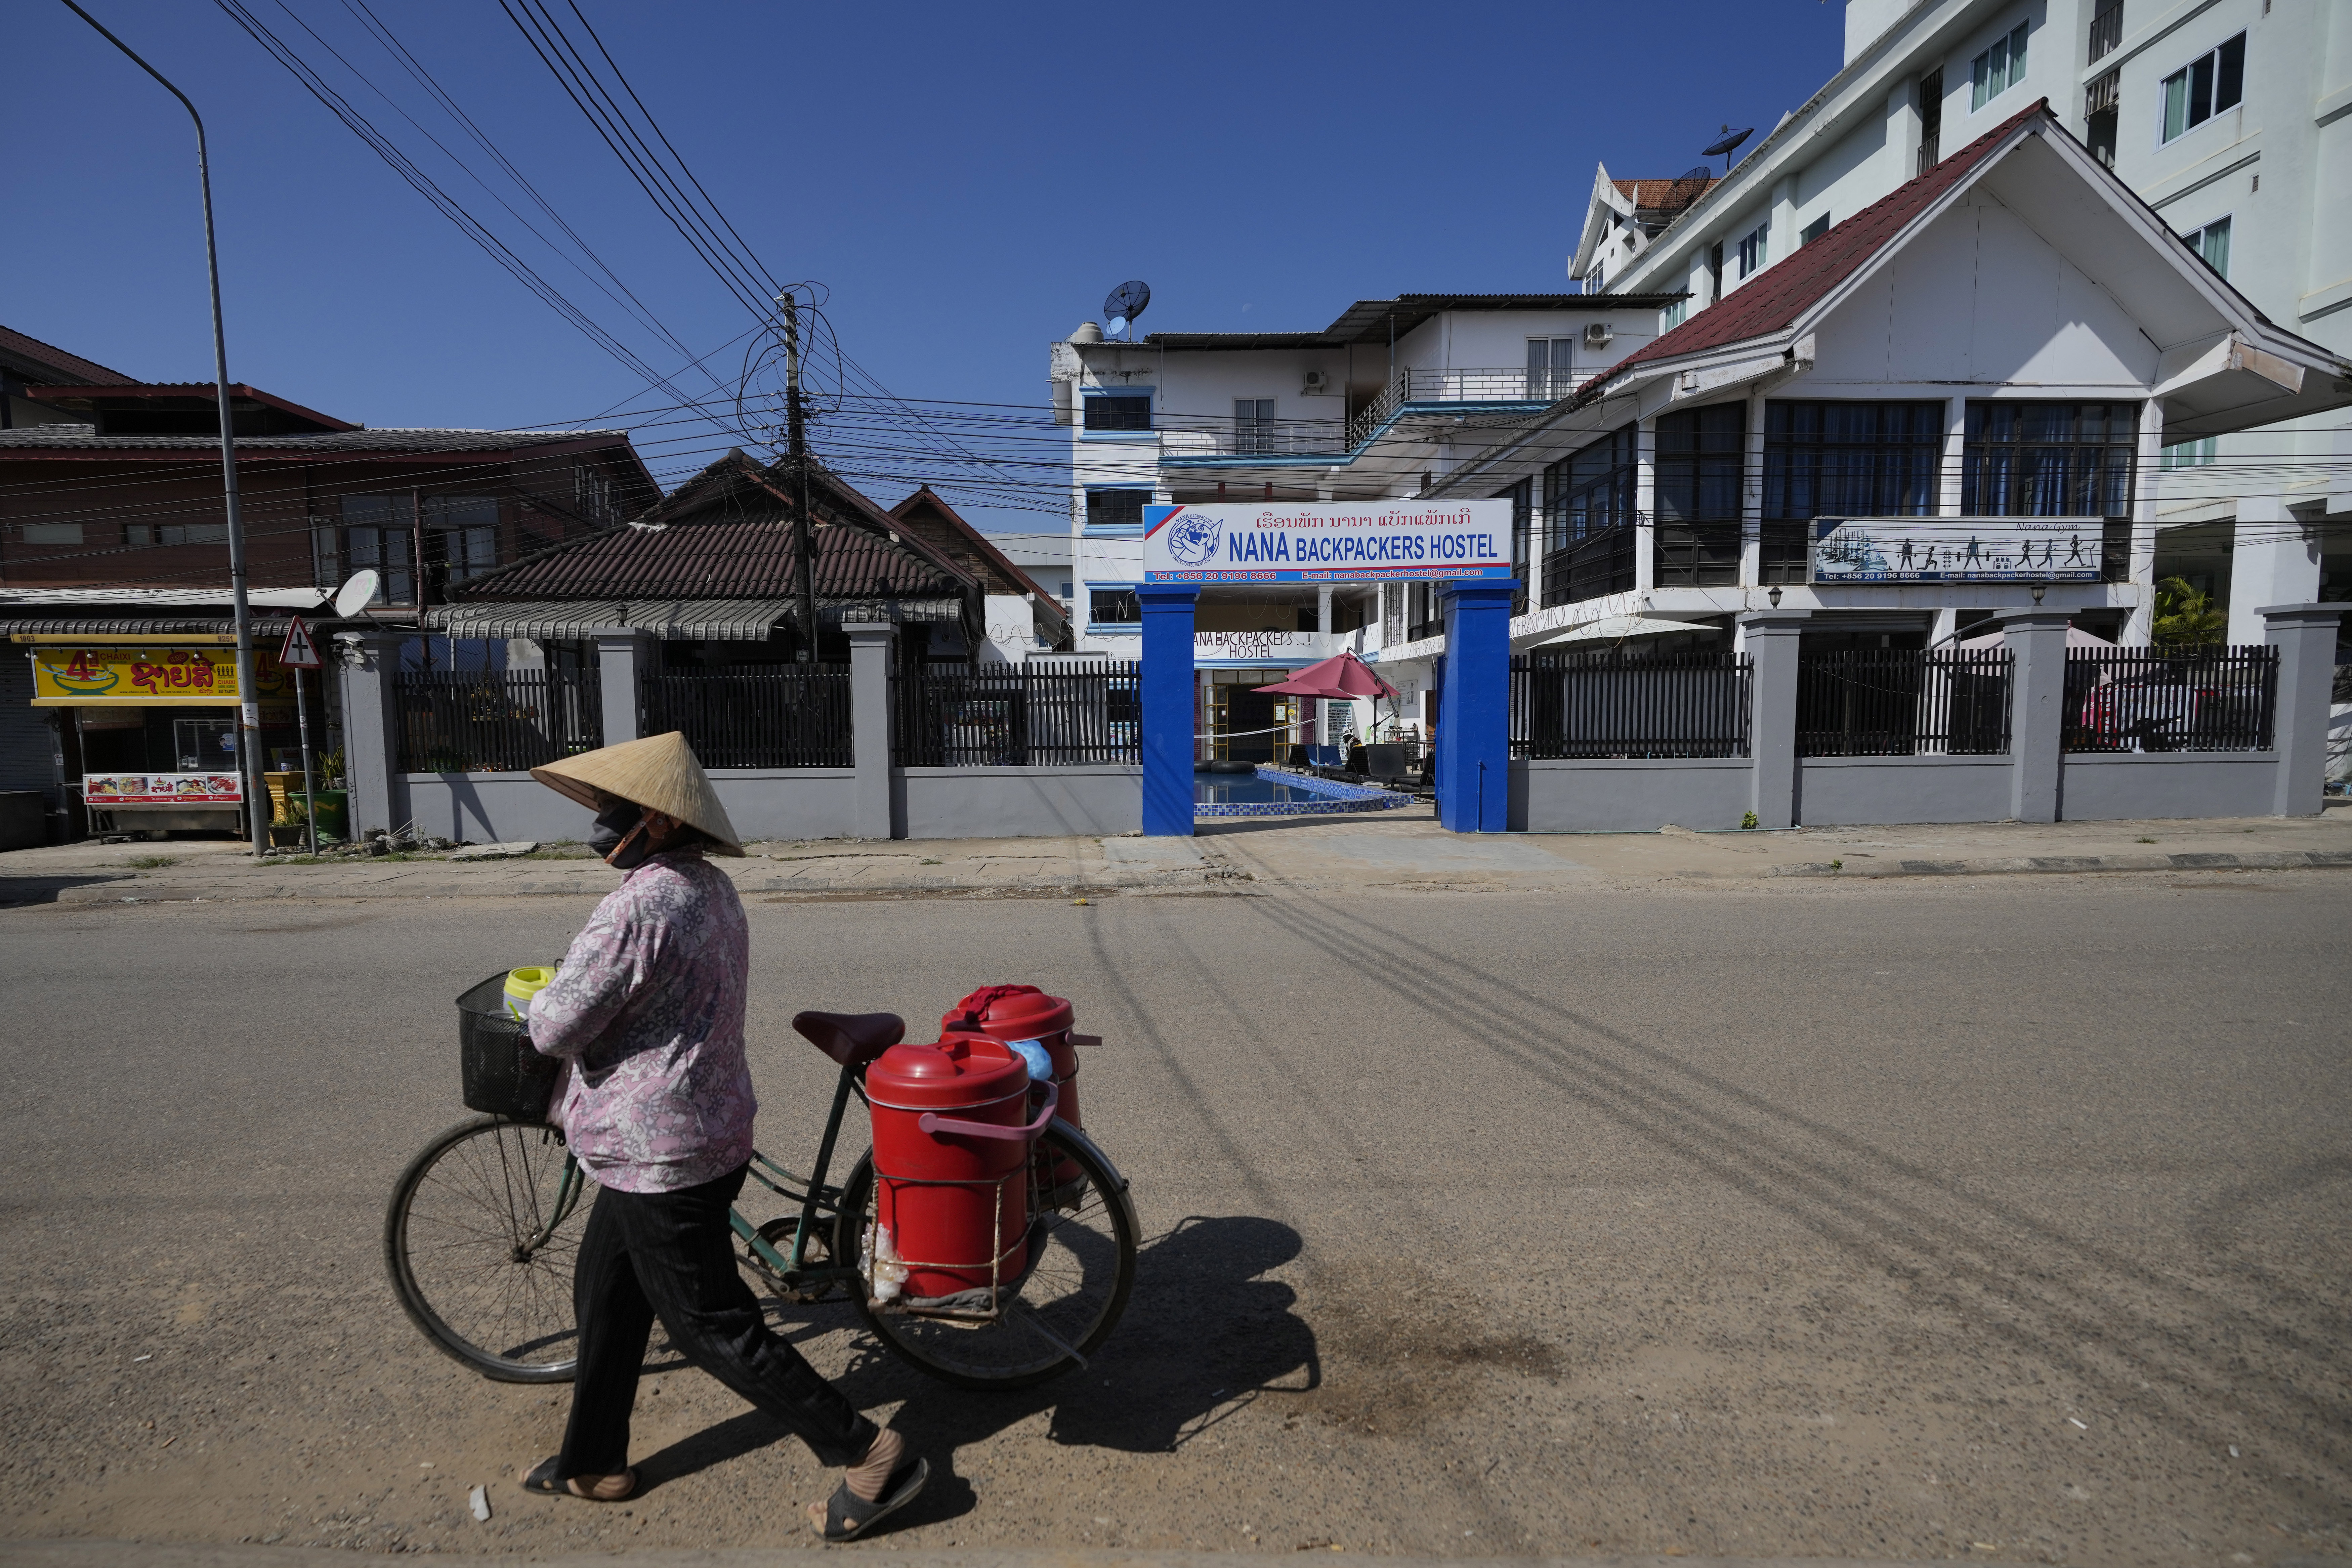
(1326, 542)
(1956, 549)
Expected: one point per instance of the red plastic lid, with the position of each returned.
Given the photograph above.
(1026, 1016)
(959, 1074)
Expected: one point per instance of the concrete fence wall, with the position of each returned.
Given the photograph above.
(2035, 781)
(870, 799)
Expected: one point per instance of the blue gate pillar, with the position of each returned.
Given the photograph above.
(1166, 700)
(1474, 709)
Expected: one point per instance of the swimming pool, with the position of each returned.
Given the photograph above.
(1269, 792)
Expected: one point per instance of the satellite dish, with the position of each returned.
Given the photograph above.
(1704, 172)
(1722, 145)
(354, 596)
(1126, 302)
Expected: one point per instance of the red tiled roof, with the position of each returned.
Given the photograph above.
(1788, 288)
(1664, 194)
(986, 557)
(27, 347)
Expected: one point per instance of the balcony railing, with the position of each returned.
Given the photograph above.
(1262, 438)
(2106, 31)
(1499, 384)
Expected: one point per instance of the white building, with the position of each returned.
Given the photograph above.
(1388, 400)
(2231, 120)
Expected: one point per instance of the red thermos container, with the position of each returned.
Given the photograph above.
(1023, 1013)
(953, 1202)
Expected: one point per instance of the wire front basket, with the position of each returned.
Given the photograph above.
(503, 1075)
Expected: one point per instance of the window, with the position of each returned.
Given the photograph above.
(1752, 249)
(1551, 365)
(465, 528)
(1673, 315)
(1931, 119)
(1998, 70)
(593, 495)
(1066, 588)
(172, 533)
(1253, 425)
(1522, 499)
(1699, 459)
(1118, 411)
(2212, 243)
(1843, 459)
(2190, 454)
(2203, 88)
(48, 534)
(1714, 272)
(1114, 608)
(1425, 611)
(1116, 508)
(2054, 459)
(380, 535)
(1814, 230)
(1589, 520)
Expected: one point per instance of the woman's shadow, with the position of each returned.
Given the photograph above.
(1202, 1337)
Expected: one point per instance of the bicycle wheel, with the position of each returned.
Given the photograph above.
(1083, 1240)
(479, 1240)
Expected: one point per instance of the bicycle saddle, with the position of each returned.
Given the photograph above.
(853, 1039)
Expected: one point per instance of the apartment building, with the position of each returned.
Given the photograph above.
(2230, 120)
(1386, 400)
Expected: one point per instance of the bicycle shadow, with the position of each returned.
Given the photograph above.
(1204, 1337)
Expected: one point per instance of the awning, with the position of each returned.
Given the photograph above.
(162, 598)
(677, 620)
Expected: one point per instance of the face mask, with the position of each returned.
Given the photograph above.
(621, 835)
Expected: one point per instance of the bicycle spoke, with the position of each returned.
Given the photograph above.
(463, 1234)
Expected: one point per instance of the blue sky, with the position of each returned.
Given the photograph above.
(967, 183)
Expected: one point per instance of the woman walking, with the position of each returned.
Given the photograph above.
(648, 1008)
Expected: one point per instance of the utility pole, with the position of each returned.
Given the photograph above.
(796, 437)
(248, 695)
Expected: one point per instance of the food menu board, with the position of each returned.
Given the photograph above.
(69, 674)
(162, 789)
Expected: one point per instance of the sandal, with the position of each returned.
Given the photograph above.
(848, 1516)
(541, 1478)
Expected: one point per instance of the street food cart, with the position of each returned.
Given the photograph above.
(154, 726)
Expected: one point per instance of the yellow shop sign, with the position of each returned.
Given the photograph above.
(67, 675)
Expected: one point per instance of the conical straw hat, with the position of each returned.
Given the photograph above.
(660, 771)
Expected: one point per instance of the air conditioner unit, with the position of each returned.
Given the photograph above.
(1596, 334)
(1317, 382)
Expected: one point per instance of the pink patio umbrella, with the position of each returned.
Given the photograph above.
(1343, 677)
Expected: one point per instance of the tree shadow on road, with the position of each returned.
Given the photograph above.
(1204, 1337)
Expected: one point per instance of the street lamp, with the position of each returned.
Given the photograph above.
(248, 725)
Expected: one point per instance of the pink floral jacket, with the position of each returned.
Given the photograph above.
(649, 1007)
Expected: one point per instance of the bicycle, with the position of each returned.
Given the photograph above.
(484, 1222)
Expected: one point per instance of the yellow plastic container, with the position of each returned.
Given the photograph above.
(522, 985)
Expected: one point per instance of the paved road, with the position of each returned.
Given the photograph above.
(2002, 1219)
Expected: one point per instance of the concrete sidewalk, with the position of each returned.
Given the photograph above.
(1401, 851)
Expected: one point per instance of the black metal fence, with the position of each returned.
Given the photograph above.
(754, 716)
(1901, 702)
(1016, 715)
(2209, 700)
(496, 721)
(1615, 705)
